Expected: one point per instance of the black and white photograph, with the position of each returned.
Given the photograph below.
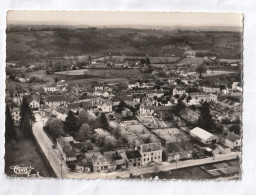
(124, 95)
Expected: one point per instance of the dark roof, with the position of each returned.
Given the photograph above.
(133, 154)
(232, 137)
(74, 105)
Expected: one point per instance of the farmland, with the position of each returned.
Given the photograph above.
(106, 73)
(40, 46)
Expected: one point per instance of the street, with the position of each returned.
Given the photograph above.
(62, 171)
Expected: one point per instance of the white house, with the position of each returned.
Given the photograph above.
(15, 112)
(213, 97)
(54, 101)
(211, 89)
(51, 89)
(178, 91)
(34, 104)
(232, 140)
(204, 136)
(151, 152)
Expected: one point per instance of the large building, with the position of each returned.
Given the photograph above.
(204, 136)
(151, 152)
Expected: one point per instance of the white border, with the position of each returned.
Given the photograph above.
(51, 186)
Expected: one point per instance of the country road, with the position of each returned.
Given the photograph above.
(62, 171)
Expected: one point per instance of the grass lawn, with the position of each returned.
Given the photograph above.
(24, 152)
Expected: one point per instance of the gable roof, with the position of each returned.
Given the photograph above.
(232, 137)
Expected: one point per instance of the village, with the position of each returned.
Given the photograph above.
(172, 113)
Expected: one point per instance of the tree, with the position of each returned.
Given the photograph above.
(85, 132)
(27, 118)
(235, 128)
(179, 107)
(103, 121)
(56, 80)
(200, 69)
(82, 118)
(10, 133)
(54, 127)
(205, 120)
(121, 106)
(70, 123)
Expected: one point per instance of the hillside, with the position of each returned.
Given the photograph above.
(37, 45)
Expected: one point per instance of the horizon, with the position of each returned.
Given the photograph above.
(112, 18)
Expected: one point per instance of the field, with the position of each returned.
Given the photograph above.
(106, 73)
(41, 45)
(171, 134)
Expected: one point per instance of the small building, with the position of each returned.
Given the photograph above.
(132, 157)
(15, 112)
(214, 97)
(203, 136)
(211, 89)
(45, 111)
(151, 152)
(66, 150)
(179, 91)
(232, 140)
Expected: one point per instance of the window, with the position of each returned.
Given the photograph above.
(152, 153)
(144, 154)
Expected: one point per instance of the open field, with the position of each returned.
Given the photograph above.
(106, 73)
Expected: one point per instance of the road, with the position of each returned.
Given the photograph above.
(62, 171)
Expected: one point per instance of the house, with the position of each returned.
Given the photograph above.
(232, 140)
(133, 84)
(98, 87)
(60, 115)
(54, 101)
(65, 148)
(51, 89)
(34, 103)
(15, 112)
(101, 93)
(178, 91)
(132, 157)
(45, 111)
(211, 89)
(213, 97)
(105, 106)
(101, 163)
(179, 150)
(203, 136)
(148, 111)
(236, 86)
(151, 152)
(84, 166)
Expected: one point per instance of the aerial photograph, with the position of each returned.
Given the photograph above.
(124, 95)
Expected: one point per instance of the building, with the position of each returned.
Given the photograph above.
(179, 151)
(34, 103)
(232, 140)
(151, 152)
(179, 91)
(101, 163)
(211, 89)
(213, 97)
(45, 111)
(65, 148)
(236, 86)
(133, 158)
(204, 136)
(15, 112)
(54, 101)
(51, 89)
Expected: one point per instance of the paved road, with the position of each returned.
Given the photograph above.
(63, 171)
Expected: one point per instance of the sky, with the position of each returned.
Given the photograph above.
(124, 18)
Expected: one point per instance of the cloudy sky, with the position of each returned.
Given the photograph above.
(124, 18)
